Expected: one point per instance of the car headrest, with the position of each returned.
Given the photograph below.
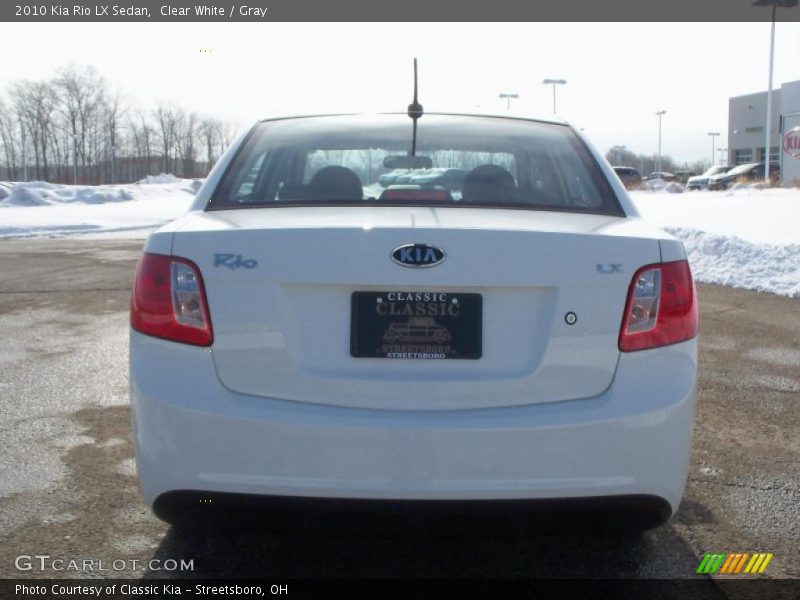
(336, 183)
(488, 183)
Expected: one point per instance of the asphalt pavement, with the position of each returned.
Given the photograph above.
(68, 482)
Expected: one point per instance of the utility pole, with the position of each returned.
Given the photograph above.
(554, 83)
(659, 114)
(768, 128)
(774, 4)
(713, 135)
(509, 98)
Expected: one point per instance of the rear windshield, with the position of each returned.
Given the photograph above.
(460, 161)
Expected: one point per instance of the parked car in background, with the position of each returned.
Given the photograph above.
(629, 176)
(749, 172)
(450, 179)
(389, 178)
(663, 175)
(683, 176)
(700, 182)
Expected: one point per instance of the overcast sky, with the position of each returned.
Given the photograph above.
(618, 75)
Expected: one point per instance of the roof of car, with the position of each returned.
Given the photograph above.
(539, 119)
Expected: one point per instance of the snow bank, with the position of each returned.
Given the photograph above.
(41, 193)
(760, 216)
(160, 178)
(39, 208)
(746, 238)
(732, 261)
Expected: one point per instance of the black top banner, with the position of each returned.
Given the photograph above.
(400, 10)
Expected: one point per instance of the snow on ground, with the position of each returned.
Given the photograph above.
(162, 178)
(131, 210)
(747, 238)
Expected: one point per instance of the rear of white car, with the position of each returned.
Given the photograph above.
(305, 337)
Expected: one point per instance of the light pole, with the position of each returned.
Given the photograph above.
(774, 4)
(554, 83)
(713, 135)
(509, 98)
(659, 114)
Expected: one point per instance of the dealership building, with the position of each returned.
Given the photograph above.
(746, 119)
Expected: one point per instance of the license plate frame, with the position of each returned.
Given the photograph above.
(416, 325)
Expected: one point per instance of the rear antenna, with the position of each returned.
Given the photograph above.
(415, 112)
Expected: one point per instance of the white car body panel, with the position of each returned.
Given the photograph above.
(632, 439)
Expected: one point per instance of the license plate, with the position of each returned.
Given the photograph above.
(417, 325)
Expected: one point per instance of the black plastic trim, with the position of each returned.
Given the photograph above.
(599, 514)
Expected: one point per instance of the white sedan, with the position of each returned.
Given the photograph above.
(304, 338)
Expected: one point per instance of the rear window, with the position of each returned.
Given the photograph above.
(464, 161)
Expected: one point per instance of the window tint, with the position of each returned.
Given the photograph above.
(471, 161)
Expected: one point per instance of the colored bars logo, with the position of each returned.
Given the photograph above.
(734, 564)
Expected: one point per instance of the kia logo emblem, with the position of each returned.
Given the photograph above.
(791, 142)
(418, 255)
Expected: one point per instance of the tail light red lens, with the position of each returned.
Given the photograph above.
(661, 307)
(169, 300)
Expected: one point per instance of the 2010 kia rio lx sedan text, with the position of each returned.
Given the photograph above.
(305, 337)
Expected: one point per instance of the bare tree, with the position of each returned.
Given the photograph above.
(142, 135)
(113, 113)
(209, 132)
(74, 127)
(186, 141)
(227, 134)
(82, 91)
(167, 117)
(35, 104)
(8, 139)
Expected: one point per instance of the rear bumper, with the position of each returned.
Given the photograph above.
(194, 436)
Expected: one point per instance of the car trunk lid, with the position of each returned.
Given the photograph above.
(552, 288)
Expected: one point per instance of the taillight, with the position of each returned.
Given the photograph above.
(169, 300)
(661, 307)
